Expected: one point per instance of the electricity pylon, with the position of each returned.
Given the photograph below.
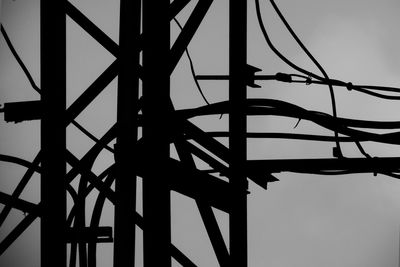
(148, 156)
(147, 124)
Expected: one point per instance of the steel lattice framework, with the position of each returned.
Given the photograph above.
(147, 124)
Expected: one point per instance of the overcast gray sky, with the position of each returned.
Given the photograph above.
(300, 221)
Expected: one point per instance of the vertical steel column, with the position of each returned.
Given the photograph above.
(156, 112)
(237, 130)
(53, 132)
(126, 153)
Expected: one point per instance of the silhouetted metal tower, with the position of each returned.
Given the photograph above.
(147, 124)
(159, 61)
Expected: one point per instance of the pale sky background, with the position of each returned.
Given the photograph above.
(300, 221)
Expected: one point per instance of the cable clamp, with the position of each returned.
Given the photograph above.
(349, 86)
(375, 173)
(283, 77)
(337, 153)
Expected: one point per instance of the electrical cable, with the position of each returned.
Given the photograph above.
(317, 64)
(327, 81)
(192, 67)
(276, 51)
(387, 97)
(380, 88)
(90, 135)
(20, 62)
(290, 136)
(262, 107)
(359, 88)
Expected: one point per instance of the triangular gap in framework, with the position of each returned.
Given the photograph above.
(103, 13)
(223, 222)
(173, 151)
(100, 115)
(188, 233)
(27, 244)
(182, 18)
(86, 60)
(30, 192)
(188, 30)
(202, 164)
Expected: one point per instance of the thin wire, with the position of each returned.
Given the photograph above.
(349, 86)
(387, 97)
(21, 64)
(192, 67)
(380, 88)
(276, 51)
(362, 150)
(90, 135)
(321, 69)
(365, 89)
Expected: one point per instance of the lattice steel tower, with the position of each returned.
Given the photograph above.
(147, 126)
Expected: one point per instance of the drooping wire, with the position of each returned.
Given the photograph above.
(192, 67)
(321, 69)
(360, 88)
(275, 50)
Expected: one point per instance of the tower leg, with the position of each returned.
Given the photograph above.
(125, 149)
(237, 130)
(53, 132)
(156, 112)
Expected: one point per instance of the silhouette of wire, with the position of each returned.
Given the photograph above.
(388, 97)
(20, 62)
(192, 67)
(362, 150)
(366, 89)
(321, 69)
(327, 81)
(273, 107)
(319, 79)
(379, 88)
(292, 136)
(90, 135)
(275, 50)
